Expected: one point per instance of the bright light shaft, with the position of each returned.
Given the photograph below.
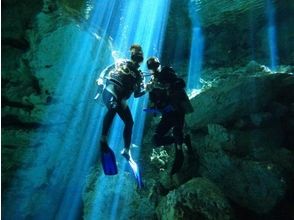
(142, 23)
(56, 176)
(196, 57)
(80, 140)
(197, 46)
(271, 32)
(252, 30)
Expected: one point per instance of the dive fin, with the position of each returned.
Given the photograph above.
(134, 168)
(108, 160)
(136, 172)
(179, 160)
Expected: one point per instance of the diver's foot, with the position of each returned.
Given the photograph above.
(126, 153)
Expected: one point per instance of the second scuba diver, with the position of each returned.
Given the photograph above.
(168, 96)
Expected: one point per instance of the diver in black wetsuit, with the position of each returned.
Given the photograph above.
(167, 94)
(122, 79)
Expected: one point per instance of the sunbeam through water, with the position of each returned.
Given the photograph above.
(69, 149)
(271, 32)
(197, 46)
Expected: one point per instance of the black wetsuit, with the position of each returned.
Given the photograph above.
(173, 103)
(121, 82)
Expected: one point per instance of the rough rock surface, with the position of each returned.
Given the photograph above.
(248, 182)
(238, 97)
(199, 198)
(237, 27)
(117, 197)
(35, 111)
(249, 155)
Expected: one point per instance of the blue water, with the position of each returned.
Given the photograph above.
(69, 149)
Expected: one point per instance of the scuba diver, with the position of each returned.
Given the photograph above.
(168, 97)
(117, 83)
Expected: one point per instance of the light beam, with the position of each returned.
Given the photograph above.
(197, 46)
(271, 32)
(57, 177)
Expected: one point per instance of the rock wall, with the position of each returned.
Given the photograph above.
(234, 32)
(197, 199)
(245, 149)
(35, 110)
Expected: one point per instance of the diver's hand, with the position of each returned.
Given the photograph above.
(99, 81)
(148, 87)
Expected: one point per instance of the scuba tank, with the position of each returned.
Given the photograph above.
(119, 78)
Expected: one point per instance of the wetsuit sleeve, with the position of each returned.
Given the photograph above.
(171, 80)
(105, 73)
(138, 87)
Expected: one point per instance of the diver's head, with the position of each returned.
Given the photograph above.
(153, 65)
(136, 53)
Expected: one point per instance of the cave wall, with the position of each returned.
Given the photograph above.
(178, 34)
(237, 36)
(16, 19)
(242, 142)
(235, 32)
(37, 42)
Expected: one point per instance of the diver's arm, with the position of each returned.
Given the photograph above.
(104, 73)
(149, 86)
(139, 89)
(154, 84)
(138, 92)
(137, 95)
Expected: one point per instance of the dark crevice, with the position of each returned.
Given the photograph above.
(21, 44)
(9, 146)
(36, 85)
(6, 102)
(11, 121)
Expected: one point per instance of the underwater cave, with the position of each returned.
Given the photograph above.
(237, 61)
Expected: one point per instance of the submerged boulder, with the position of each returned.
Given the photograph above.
(246, 180)
(197, 199)
(234, 98)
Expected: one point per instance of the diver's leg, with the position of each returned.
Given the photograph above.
(159, 137)
(179, 121)
(107, 121)
(107, 156)
(109, 101)
(178, 134)
(125, 114)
